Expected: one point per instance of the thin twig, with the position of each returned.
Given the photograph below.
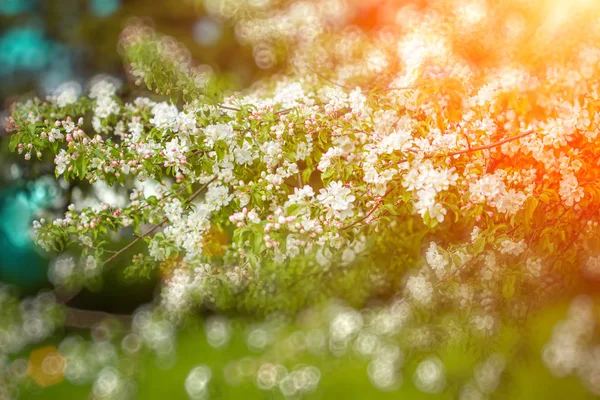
(583, 226)
(456, 271)
(490, 146)
(389, 89)
(285, 111)
(229, 108)
(155, 227)
(478, 148)
(248, 261)
(137, 239)
(327, 79)
(572, 241)
(100, 249)
(375, 207)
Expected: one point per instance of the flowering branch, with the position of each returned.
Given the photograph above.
(157, 226)
(116, 254)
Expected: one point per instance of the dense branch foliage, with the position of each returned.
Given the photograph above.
(448, 159)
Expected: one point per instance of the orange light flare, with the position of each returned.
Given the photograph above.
(559, 12)
(497, 32)
(512, 46)
(487, 32)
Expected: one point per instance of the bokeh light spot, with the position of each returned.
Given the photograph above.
(46, 366)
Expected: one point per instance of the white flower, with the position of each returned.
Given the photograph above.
(483, 323)
(398, 140)
(510, 201)
(288, 94)
(534, 266)
(175, 151)
(244, 154)
(186, 122)
(253, 217)
(325, 161)
(300, 196)
(61, 270)
(66, 94)
(490, 267)
(165, 117)
(69, 126)
(90, 267)
(592, 267)
(102, 88)
(570, 191)
(514, 248)
(357, 101)
(217, 196)
(486, 188)
(348, 255)
(426, 181)
(338, 199)
(97, 124)
(62, 160)
(420, 289)
(323, 256)
(175, 296)
(436, 261)
(105, 106)
(492, 189)
(217, 132)
(173, 210)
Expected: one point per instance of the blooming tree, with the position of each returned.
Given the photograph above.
(447, 159)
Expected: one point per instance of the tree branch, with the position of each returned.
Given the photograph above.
(229, 108)
(86, 319)
(375, 207)
(478, 148)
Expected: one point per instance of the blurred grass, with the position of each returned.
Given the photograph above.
(345, 377)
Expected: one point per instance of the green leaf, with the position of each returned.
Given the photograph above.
(508, 289)
(14, 141)
(306, 175)
(479, 244)
(257, 243)
(531, 206)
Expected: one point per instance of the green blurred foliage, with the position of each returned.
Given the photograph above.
(345, 377)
